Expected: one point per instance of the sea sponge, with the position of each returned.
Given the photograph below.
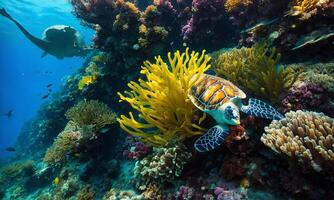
(234, 5)
(92, 113)
(304, 136)
(256, 69)
(165, 164)
(166, 113)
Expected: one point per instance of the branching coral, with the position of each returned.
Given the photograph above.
(257, 70)
(305, 136)
(165, 164)
(91, 112)
(85, 120)
(165, 110)
(65, 142)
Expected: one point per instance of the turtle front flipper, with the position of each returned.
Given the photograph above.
(261, 109)
(211, 139)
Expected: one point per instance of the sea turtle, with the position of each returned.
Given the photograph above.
(58, 40)
(222, 100)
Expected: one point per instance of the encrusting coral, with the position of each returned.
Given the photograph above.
(165, 110)
(165, 164)
(305, 136)
(256, 69)
(92, 113)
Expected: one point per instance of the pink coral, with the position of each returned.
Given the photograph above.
(308, 96)
(136, 150)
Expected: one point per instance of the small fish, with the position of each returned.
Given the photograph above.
(10, 149)
(56, 181)
(45, 96)
(9, 113)
(77, 155)
(49, 85)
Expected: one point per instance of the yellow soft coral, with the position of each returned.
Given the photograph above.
(92, 72)
(233, 5)
(305, 9)
(165, 110)
(256, 69)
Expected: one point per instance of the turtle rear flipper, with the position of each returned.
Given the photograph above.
(261, 109)
(212, 139)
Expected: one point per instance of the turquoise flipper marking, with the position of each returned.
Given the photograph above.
(261, 109)
(211, 140)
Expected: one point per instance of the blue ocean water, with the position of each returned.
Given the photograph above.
(24, 74)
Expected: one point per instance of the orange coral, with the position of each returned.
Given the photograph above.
(234, 5)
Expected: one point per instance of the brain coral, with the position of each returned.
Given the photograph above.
(305, 136)
(165, 164)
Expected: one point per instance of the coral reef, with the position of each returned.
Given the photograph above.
(115, 194)
(309, 96)
(208, 23)
(185, 192)
(85, 120)
(137, 150)
(164, 165)
(91, 113)
(90, 158)
(165, 91)
(305, 9)
(93, 71)
(304, 136)
(234, 5)
(65, 143)
(16, 169)
(255, 69)
(86, 193)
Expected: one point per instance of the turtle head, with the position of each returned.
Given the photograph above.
(231, 114)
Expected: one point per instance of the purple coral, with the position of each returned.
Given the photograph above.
(185, 193)
(223, 193)
(137, 150)
(306, 96)
(208, 20)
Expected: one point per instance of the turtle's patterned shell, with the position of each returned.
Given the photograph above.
(210, 92)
